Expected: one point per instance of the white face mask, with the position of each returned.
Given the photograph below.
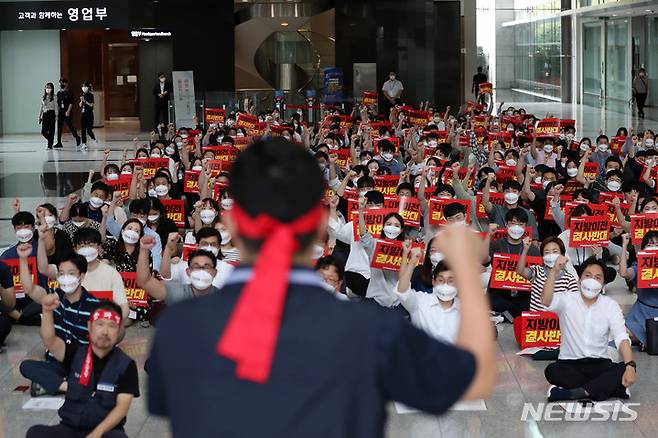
(50, 221)
(436, 258)
(207, 215)
(545, 184)
(603, 147)
(511, 198)
(68, 283)
(179, 144)
(590, 288)
(510, 162)
(155, 155)
(161, 190)
(112, 176)
(85, 89)
(88, 253)
(392, 231)
(613, 186)
(649, 142)
(197, 168)
(141, 221)
(130, 236)
(227, 203)
(433, 143)
(226, 237)
(200, 279)
(126, 172)
(569, 137)
(153, 217)
(212, 249)
(24, 235)
(78, 224)
(572, 171)
(538, 179)
(550, 259)
(318, 251)
(162, 80)
(95, 201)
(585, 147)
(152, 193)
(387, 156)
(548, 148)
(169, 150)
(445, 292)
(515, 231)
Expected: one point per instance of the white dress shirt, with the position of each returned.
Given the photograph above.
(428, 314)
(178, 273)
(585, 330)
(357, 261)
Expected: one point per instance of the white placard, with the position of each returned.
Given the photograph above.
(44, 403)
(184, 107)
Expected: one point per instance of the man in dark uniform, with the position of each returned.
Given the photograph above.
(162, 92)
(65, 105)
(478, 78)
(273, 354)
(102, 379)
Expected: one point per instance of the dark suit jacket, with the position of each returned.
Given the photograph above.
(167, 86)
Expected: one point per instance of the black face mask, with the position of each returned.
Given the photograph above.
(63, 85)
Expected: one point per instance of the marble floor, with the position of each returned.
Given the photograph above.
(32, 174)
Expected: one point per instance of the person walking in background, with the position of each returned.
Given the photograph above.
(478, 78)
(65, 106)
(48, 114)
(86, 115)
(162, 92)
(640, 91)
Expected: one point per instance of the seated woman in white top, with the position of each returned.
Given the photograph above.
(436, 313)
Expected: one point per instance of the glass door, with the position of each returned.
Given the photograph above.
(617, 65)
(593, 63)
(123, 66)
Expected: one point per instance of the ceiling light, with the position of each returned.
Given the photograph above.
(284, 24)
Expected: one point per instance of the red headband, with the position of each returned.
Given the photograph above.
(253, 328)
(109, 315)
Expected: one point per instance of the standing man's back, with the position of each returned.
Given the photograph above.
(478, 78)
(273, 354)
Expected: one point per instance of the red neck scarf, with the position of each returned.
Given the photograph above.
(251, 333)
(87, 365)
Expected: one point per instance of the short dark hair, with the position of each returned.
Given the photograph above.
(516, 213)
(405, 185)
(79, 209)
(100, 185)
(160, 74)
(87, 235)
(453, 209)
(608, 273)
(107, 305)
(208, 232)
(442, 266)
(364, 181)
(22, 218)
(327, 261)
(202, 253)
(140, 206)
(555, 240)
(653, 234)
(512, 184)
(79, 261)
(109, 167)
(374, 197)
(278, 179)
(440, 187)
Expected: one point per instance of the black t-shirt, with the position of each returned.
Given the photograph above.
(127, 383)
(6, 279)
(89, 98)
(64, 99)
(165, 227)
(63, 246)
(545, 228)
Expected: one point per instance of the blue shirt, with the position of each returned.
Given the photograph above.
(114, 229)
(336, 366)
(11, 253)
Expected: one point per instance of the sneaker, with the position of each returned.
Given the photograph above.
(58, 146)
(37, 390)
(84, 147)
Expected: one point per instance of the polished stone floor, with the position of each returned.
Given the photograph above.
(32, 174)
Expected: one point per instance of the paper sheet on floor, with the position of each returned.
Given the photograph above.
(49, 403)
(471, 405)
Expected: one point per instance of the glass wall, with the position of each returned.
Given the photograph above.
(651, 64)
(617, 68)
(592, 58)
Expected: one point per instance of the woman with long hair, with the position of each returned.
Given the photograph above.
(48, 114)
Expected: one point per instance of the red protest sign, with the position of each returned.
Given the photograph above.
(175, 211)
(388, 254)
(246, 121)
(597, 210)
(571, 186)
(486, 88)
(137, 297)
(14, 266)
(241, 142)
(503, 137)
(503, 272)
(419, 118)
(217, 189)
(647, 269)
(537, 330)
(616, 144)
(506, 173)
(374, 218)
(407, 207)
(257, 130)
(346, 122)
(548, 128)
(514, 121)
(103, 295)
(151, 165)
(223, 153)
(214, 115)
(191, 181)
(121, 185)
(588, 231)
(387, 184)
(342, 157)
(495, 198)
(447, 177)
(591, 169)
(369, 98)
(187, 249)
(612, 211)
(548, 215)
(437, 206)
(641, 224)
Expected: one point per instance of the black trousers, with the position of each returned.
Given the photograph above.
(63, 431)
(69, 122)
(357, 283)
(601, 378)
(161, 112)
(30, 315)
(503, 301)
(48, 120)
(87, 121)
(641, 99)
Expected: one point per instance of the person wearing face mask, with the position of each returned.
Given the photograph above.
(640, 91)
(205, 215)
(423, 275)
(209, 239)
(392, 90)
(158, 221)
(646, 305)
(332, 275)
(587, 321)
(550, 249)
(498, 213)
(65, 106)
(86, 115)
(436, 313)
(387, 157)
(546, 155)
(229, 250)
(536, 198)
(503, 300)
(100, 193)
(75, 216)
(602, 152)
(162, 91)
(76, 303)
(48, 114)
(381, 281)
